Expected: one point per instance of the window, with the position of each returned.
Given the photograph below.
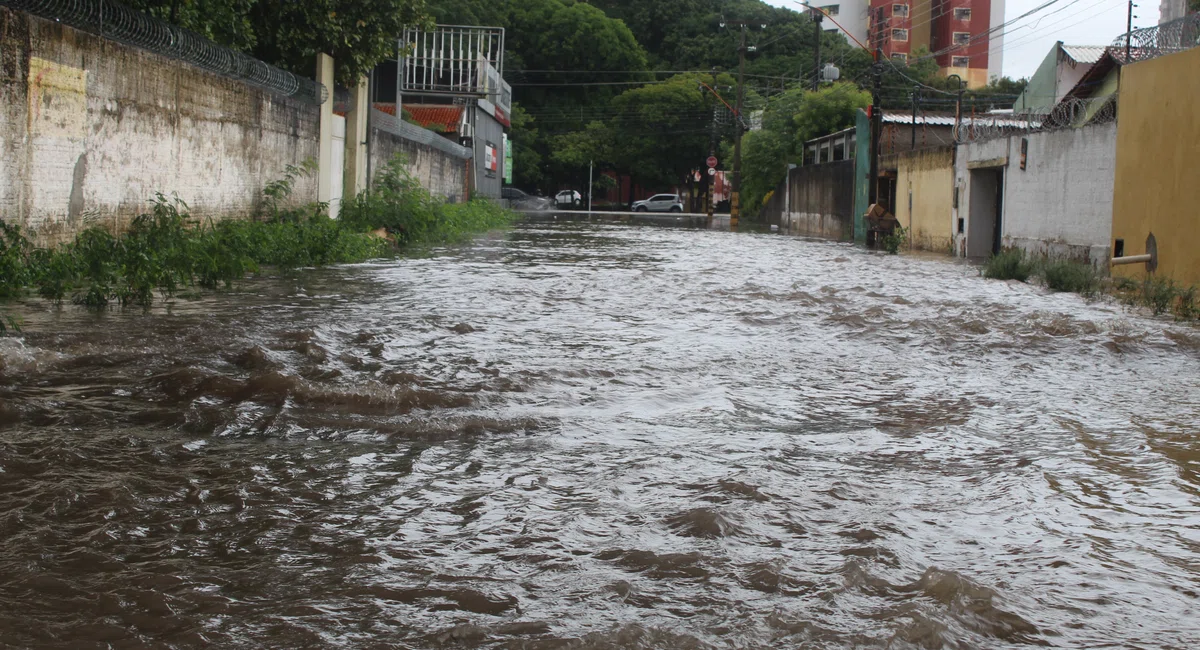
(962, 13)
(900, 35)
(900, 56)
(900, 11)
(832, 10)
(960, 62)
(962, 38)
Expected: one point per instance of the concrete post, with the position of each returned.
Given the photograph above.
(356, 141)
(325, 173)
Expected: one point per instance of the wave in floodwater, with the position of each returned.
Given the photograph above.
(579, 436)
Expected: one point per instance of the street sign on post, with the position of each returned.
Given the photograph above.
(712, 171)
(712, 161)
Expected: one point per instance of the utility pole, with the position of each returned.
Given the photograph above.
(712, 151)
(957, 104)
(735, 197)
(916, 99)
(1129, 30)
(876, 127)
(817, 17)
(589, 189)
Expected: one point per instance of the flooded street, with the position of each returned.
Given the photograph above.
(586, 436)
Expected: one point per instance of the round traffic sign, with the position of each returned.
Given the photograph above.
(712, 172)
(712, 161)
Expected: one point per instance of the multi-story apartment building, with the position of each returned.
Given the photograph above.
(959, 32)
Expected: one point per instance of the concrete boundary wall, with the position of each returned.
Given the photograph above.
(816, 200)
(1060, 205)
(91, 129)
(925, 196)
(1158, 145)
(443, 174)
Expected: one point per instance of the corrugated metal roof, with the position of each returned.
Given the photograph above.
(1084, 53)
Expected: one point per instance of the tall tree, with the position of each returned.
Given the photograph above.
(358, 34)
(791, 119)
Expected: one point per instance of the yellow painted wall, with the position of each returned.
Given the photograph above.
(919, 12)
(1157, 186)
(975, 77)
(928, 176)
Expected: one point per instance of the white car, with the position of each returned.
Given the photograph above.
(568, 199)
(660, 203)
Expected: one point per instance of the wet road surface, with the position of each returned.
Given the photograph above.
(585, 436)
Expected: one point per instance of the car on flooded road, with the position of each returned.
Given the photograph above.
(660, 203)
(520, 200)
(568, 199)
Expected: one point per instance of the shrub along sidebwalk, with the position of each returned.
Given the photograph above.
(165, 250)
(1159, 295)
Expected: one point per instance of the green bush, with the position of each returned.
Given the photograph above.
(1158, 294)
(399, 204)
(1185, 307)
(895, 239)
(1064, 275)
(1008, 264)
(15, 251)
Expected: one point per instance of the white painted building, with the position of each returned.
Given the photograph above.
(1169, 10)
(996, 42)
(850, 14)
(1048, 193)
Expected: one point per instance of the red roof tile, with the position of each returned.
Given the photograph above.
(442, 118)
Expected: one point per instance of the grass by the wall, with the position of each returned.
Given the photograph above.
(165, 250)
(410, 214)
(1065, 275)
(1008, 264)
(1158, 295)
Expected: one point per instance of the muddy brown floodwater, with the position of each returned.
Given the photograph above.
(580, 436)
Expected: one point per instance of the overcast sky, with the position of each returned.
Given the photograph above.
(1074, 22)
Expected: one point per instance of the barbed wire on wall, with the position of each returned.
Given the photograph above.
(1152, 42)
(115, 21)
(1071, 113)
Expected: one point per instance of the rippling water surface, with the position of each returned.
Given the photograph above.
(604, 437)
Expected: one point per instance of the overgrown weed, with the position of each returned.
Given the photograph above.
(1008, 264)
(893, 241)
(1065, 275)
(167, 251)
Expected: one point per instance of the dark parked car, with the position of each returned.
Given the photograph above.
(519, 200)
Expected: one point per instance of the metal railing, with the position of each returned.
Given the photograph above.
(1160, 40)
(115, 21)
(450, 60)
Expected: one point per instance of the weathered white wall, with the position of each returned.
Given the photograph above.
(1066, 76)
(992, 152)
(443, 174)
(1060, 205)
(90, 130)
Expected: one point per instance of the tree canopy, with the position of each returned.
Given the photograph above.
(358, 34)
(789, 120)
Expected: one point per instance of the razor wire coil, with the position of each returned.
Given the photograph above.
(1071, 113)
(114, 21)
